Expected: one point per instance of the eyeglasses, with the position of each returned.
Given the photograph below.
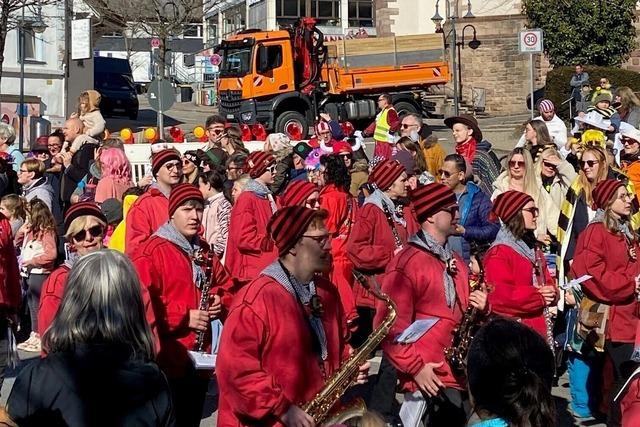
(380, 99)
(533, 211)
(272, 169)
(452, 210)
(516, 163)
(172, 165)
(549, 165)
(321, 240)
(407, 126)
(629, 141)
(625, 196)
(446, 174)
(347, 156)
(95, 231)
(215, 131)
(590, 163)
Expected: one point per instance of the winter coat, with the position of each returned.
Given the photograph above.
(414, 282)
(79, 167)
(249, 246)
(51, 297)
(605, 256)
(434, 156)
(266, 361)
(111, 188)
(486, 166)
(42, 189)
(359, 176)
(371, 245)
(10, 289)
(557, 131)
(94, 123)
(514, 294)
(147, 214)
(117, 240)
(215, 221)
(43, 245)
(284, 164)
(93, 385)
(553, 197)
(165, 271)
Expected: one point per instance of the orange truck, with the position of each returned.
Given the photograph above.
(284, 79)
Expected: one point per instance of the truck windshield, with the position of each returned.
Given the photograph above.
(235, 61)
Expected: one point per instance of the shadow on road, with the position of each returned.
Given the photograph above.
(146, 118)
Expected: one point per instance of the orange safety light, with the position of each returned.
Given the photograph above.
(176, 134)
(151, 135)
(246, 132)
(259, 132)
(294, 130)
(347, 128)
(126, 135)
(200, 133)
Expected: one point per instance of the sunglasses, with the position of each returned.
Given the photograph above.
(516, 163)
(347, 156)
(215, 131)
(95, 231)
(407, 126)
(313, 202)
(549, 165)
(590, 163)
(446, 174)
(172, 165)
(629, 141)
(321, 240)
(532, 211)
(272, 169)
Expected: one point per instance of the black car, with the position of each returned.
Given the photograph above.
(112, 77)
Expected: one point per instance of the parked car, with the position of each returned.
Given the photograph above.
(112, 77)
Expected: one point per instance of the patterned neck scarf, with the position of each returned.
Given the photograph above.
(467, 149)
(444, 254)
(263, 191)
(170, 233)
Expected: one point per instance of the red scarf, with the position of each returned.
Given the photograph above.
(467, 149)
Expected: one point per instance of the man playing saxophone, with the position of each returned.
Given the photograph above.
(285, 334)
(428, 280)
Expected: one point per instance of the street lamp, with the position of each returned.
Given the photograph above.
(473, 45)
(37, 26)
(452, 16)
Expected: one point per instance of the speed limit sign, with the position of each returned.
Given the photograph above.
(531, 41)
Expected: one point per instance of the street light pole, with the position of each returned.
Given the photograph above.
(22, 56)
(452, 49)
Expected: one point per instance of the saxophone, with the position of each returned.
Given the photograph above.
(204, 296)
(456, 355)
(318, 408)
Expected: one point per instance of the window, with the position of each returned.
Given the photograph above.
(327, 12)
(193, 31)
(33, 45)
(361, 13)
(274, 57)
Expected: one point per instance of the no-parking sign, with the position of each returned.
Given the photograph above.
(531, 41)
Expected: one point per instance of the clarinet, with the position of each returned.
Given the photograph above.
(204, 298)
(537, 271)
(396, 236)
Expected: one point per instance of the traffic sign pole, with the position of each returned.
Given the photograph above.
(160, 114)
(531, 71)
(531, 43)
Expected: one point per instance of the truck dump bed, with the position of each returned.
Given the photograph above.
(372, 64)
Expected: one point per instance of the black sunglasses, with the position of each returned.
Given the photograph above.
(95, 231)
(347, 156)
(446, 174)
(532, 211)
(549, 165)
(590, 163)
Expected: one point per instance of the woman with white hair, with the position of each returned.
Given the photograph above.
(99, 369)
(7, 138)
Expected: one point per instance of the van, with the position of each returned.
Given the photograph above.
(113, 78)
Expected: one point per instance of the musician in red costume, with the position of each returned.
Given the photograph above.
(171, 265)
(285, 333)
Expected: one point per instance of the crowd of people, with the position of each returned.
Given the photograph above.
(118, 284)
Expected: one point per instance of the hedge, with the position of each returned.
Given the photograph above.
(558, 90)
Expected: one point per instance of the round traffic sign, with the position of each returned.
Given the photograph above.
(161, 95)
(215, 59)
(155, 42)
(530, 39)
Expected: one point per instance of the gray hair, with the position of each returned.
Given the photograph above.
(417, 117)
(102, 303)
(8, 133)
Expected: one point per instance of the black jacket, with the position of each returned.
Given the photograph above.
(77, 170)
(97, 385)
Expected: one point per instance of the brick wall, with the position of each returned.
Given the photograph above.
(385, 13)
(634, 60)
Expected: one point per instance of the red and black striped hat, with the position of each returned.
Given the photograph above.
(604, 191)
(182, 193)
(508, 204)
(288, 224)
(385, 173)
(162, 157)
(432, 198)
(297, 192)
(82, 209)
(258, 162)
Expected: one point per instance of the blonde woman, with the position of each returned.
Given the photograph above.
(629, 109)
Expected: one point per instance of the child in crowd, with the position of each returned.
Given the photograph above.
(12, 206)
(90, 116)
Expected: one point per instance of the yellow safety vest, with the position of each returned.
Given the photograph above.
(381, 133)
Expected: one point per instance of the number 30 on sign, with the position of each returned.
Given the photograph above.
(531, 41)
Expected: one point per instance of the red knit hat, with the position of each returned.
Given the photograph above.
(81, 209)
(288, 224)
(182, 193)
(508, 204)
(162, 157)
(385, 173)
(431, 199)
(604, 191)
(342, 147)
(322, 126)
(258, 162)
(297, 192)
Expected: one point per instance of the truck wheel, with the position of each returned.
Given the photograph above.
(288, 121)
(403, 108)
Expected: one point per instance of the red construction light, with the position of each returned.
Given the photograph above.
(347, 128)
(294, 130)
(176, 134)
(259, 132)
(246, 132)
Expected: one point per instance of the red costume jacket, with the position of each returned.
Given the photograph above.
(10, 291)
(266, 362)
(165, 272)
(51, 296)
(513, 295)
(249, 246)
(371, 245)
(414, 281)
(605, 257)
(147, 214)
(343, 209)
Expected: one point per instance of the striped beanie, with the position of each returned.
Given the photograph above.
(431, 199)
(182, 193)
(385, 173)
(258, 162)
(546, 106)
(83, 209)
(288, 224)
(322, 126)
(604, 191)
(162, 157)
(297, 192)
(508, 204)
